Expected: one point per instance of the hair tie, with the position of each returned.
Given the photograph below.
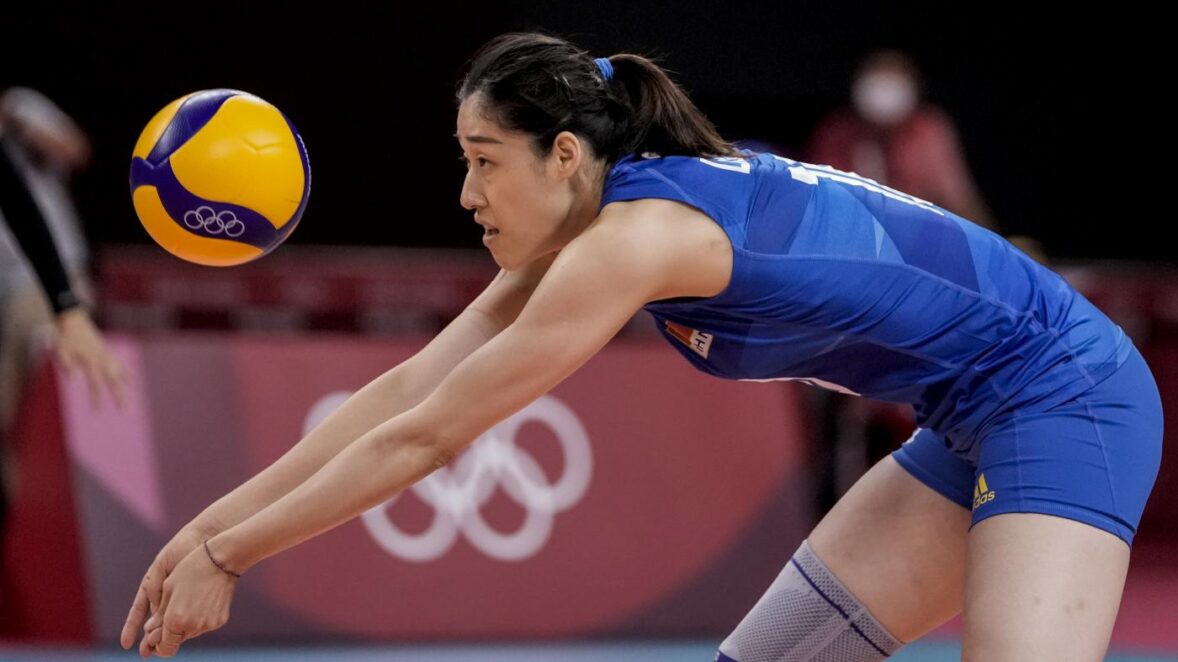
(606, 68)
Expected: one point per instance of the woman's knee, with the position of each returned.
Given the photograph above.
(808, 614)
(899, 546)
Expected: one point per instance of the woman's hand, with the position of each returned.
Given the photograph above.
(195, 600)
(150, 593)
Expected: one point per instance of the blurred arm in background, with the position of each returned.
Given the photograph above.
(39, 147)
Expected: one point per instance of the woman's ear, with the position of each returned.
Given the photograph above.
(568, 152)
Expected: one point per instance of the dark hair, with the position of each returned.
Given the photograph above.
(541, 85)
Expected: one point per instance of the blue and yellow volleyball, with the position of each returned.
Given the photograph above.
(220, 177)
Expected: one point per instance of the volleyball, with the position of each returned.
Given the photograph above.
(219, 177)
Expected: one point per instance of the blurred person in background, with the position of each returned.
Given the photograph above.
(893, 136)
(44, 289)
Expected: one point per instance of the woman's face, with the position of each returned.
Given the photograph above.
(522, 200)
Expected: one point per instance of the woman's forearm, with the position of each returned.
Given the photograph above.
(381, 463)
(389, 395)
(382, 399)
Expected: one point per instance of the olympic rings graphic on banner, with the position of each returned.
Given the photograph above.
(457, 493)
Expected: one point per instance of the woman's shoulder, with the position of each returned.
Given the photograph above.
(682, 243)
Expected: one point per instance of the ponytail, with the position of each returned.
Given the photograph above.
(662, 117)
(541, 85)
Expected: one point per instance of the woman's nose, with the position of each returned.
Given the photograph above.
(470, 198)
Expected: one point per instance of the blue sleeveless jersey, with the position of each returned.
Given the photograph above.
(844, 283)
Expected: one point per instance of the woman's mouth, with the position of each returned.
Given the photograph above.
(488, 230)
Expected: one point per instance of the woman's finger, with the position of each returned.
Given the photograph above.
(153, 585)
(135, 618)
(158, 613)
(169, 643)
(150, 641)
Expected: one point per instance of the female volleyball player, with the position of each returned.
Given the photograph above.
(602, 190)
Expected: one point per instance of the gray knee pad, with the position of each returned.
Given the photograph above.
(808, 615)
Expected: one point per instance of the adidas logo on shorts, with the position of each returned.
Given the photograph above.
(982, 494)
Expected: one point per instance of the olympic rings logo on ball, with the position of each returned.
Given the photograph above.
(212, 222)
(458, 493)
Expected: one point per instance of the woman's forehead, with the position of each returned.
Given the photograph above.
(472, 119)
(475, 126)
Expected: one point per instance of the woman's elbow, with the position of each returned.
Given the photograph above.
(421, 444)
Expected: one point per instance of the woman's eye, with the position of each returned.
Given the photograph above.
(481, 161)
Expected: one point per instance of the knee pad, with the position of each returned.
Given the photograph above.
(807, 614)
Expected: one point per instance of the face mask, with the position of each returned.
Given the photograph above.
(884, 97)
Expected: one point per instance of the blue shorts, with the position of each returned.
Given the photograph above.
(1092, 459)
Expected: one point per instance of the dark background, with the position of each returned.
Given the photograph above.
(1045, 103)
